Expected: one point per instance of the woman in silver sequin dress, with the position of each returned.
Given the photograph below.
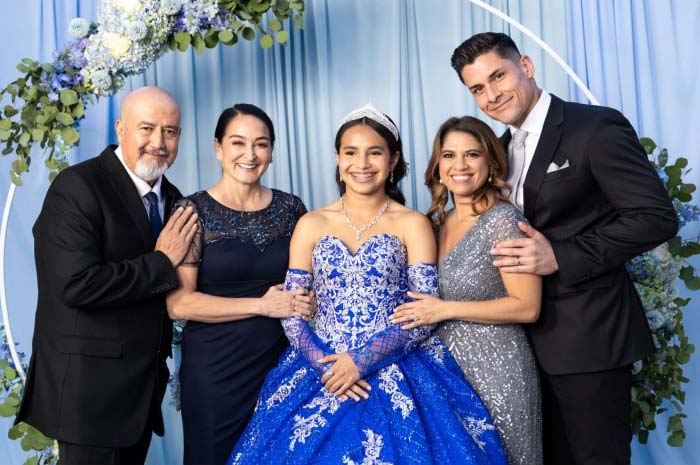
(480, 309)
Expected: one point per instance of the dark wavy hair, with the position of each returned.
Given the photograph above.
(243, 109)
(493, 152)
(390, 187)
(482, 43)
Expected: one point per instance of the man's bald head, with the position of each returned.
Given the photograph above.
(149, 131)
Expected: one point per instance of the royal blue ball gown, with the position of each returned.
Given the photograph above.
(420, 409)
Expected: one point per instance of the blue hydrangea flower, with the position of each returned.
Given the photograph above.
(79, 28)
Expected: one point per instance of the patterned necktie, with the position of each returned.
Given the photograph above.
(516, 166)
(153, 214)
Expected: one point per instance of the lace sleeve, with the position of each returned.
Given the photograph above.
(194, 253)
(298, 331)
(393, 343)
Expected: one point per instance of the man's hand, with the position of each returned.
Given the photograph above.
(531, 255)
(174, 240)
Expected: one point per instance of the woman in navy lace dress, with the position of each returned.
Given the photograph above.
(356, 389)
(231, 293)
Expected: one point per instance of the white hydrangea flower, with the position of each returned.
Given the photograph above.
(79, 28)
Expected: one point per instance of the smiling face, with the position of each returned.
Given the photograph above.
(245, 150)
(504, 89)
(149, 132)
(364, 160)
(463, 166)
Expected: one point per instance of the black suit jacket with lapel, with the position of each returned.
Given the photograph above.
(606, 207)
(97, 373)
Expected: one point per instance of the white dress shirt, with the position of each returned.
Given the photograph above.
(143, 187)
(533, 124)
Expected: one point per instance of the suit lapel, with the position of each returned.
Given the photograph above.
(544, 153)
(127, 193)
(170, 194)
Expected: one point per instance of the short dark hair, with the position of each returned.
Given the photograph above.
(482, 43)
(243, 109)
(391, 185)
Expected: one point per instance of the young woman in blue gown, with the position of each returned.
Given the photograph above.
(355, 389)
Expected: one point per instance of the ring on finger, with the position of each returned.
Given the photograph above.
(415, 317)
(517, 261)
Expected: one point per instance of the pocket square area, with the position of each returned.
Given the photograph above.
(554, 167)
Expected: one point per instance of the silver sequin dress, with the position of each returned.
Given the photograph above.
(496, 359)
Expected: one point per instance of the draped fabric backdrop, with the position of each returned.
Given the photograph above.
(636, 56)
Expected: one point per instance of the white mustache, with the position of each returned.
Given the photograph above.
(157, 152)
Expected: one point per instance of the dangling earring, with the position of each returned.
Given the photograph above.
(391, 177)
(440, 180)
(490, 177)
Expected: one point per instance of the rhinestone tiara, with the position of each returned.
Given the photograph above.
(368, 111)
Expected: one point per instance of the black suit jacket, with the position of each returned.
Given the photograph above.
(97, 373)
(606, 208)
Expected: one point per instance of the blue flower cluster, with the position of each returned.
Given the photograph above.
(687, 213)
(654, 274)
(197, 16)
(64, 71)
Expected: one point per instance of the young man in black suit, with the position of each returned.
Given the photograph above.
(593, 201)
(97, 374)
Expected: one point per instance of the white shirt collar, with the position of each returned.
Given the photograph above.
(534, 121)
(142, 186)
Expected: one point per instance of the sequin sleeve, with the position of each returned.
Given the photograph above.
(298, 331)
(392, 343)
(504, 224)
(194, 253)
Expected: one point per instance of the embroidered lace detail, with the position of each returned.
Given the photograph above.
(434, 346)
(260, 228)
(304, 426)
(356, 293)
(373, 448)
(476, 428)
(399, 401)
(285, 389)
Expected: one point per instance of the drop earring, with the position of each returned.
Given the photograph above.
(391, 177)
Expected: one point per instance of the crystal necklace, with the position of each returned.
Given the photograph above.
(357, 229)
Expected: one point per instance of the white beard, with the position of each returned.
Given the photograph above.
(149, 172)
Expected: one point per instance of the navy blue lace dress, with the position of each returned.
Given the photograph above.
(420, 410)
(239, 254)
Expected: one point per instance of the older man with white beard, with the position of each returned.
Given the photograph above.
(104, 263)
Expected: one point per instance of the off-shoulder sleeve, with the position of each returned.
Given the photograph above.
(298, 331)
(194, 253)
(393, 343)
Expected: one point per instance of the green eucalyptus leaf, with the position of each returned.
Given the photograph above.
(68, 97)
(676, 439)
(275, 24)
(225, 36)
(50, 163)
(24, 138)
(7, 150)
(266, 41)
(693, 283)
(183, 37)
(643, 436)
(248, 33)
(79, 110)
(5, 135)
(199, 44)
(298, 22)
(22, 68)
(70, 136)
(282, 37)
(648, 144)
(7, 411)
(33, 460)
(244, 15)
(64, 118)
(12, 400)
(5, 124)
(15, 432)
(48, 67)
(681, 162)
(10, 111)
(52, 175)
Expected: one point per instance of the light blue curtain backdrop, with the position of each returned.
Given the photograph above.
(637, 56)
